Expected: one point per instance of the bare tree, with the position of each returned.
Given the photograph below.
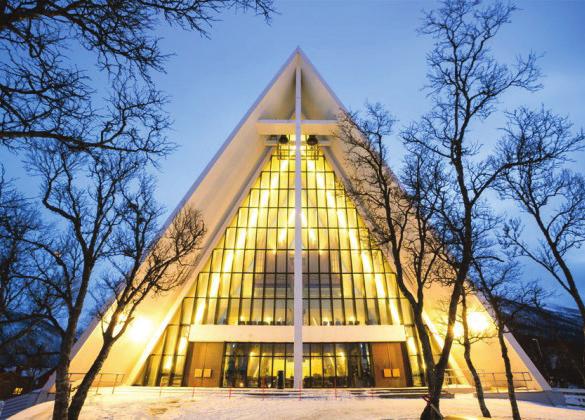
(82, 193)
(552, 196)
(102, 223)
(146, 265)
(468, 337)
(465, 83)
(400, 217)
(19, 222)
(497, 279)
(46, 97)
(50, 106)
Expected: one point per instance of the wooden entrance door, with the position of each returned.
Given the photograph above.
(390, 369)
(204, 365)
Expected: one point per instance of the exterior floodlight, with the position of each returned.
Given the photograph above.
(283, 139)
(139, 329)
(458, 330)
(312, 140)
(478, 322)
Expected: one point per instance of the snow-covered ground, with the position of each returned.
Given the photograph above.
(135, 406)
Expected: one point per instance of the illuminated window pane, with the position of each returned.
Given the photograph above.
(222, 307)
(385, 318)
(326, 314)
(245, 312)
(358, 285)
(257, 310)
(315, 312)
(224, 288)
(280, 312)
(338, 317)
(236, 285)
(210, 315)
(247, 286)
(370, 285)
(336, 285)
(233, 312)
(360, 311)
(373, 318)
(268, 311)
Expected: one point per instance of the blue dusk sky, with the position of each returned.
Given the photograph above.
(365, 50)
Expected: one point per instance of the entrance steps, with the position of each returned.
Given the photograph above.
(307, 393)
(14, 405)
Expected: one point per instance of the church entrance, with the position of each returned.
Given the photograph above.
(325, 365)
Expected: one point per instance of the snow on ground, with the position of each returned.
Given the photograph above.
(136, 407)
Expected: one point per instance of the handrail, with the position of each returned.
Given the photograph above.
(491, 381)
(100, 381)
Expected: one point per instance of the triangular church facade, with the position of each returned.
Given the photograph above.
(288, 289)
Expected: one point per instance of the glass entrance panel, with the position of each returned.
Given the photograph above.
(325, 365)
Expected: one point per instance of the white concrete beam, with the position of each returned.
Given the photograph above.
(285, 333)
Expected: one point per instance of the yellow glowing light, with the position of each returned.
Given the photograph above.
(240, 243)
(458, 329)
(289, 222)
(379, 278)
(478, 323)
(312, 234)
(168, 364)
(199, 314)
(344, 225)
(214, 285)
(182, 345)
(394, 311)
(411, 345)
(139, 329)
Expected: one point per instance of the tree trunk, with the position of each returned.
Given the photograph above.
(509, 375)
(433, 410)
(581, 306)
(467, 355)
(62, 389)
(582, 369)
(436, 389)
(81, 394)
(433, 385)
(436, 378)
(62, 375)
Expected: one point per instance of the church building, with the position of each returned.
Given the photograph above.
(288, 289)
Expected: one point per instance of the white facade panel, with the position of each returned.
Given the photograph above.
(285, 334)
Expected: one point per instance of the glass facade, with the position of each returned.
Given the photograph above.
(248, 278)
(166, 365)
(325, 365)
(346, 280)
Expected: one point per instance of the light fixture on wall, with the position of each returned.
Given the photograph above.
(283, 149)
(477, 322)
(139, 329)
(312, 151)
(312, 140)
